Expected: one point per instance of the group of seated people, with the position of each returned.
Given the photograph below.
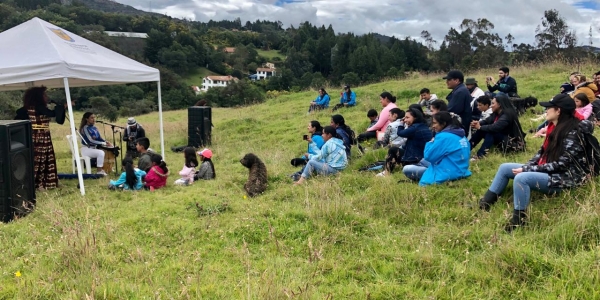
(434, 146)
(347, 99)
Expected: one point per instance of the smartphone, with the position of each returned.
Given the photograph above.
(305, 137)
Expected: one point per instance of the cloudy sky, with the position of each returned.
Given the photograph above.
(399, 18)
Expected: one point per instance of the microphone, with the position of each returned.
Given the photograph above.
(101, 122)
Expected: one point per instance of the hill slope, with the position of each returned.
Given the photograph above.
(114, 7)
(353, 236)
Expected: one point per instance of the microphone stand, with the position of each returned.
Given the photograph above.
(112, 127)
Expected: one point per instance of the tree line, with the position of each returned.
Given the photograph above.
(314, 55)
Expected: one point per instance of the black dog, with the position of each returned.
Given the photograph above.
(257, 179)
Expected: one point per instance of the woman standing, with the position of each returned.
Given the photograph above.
(35, 101)
(560, 163)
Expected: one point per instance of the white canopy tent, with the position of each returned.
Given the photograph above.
(37, 53)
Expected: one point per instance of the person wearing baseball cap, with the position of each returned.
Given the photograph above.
(133, 131)
(561, 163)
(207, 168)
(459, 100)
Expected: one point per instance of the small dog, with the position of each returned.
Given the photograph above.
(257, 179)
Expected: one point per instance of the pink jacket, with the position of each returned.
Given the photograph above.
(585, 111)
(155, 178)
(188, 174)
(384, 120)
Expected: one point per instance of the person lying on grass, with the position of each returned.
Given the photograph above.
(446, 157)
(561, 162)
(329, 160)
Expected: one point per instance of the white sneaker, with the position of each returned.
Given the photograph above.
(101, 173)
(380, 174)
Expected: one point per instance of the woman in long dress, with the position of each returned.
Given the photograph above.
(35, 101)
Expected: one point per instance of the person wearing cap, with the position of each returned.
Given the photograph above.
(207, 168)
(561, 163)
(347, 99)
(459, 100)
(133, 131)
(476, 92)
(505, 84)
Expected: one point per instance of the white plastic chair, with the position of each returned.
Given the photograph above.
(86, 160)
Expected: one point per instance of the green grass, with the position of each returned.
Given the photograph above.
(353, 236)
(195, 77)
(270, 54)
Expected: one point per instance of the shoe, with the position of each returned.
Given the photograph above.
(488, 200)
(380, 174)
(101, 173)
(519, 219)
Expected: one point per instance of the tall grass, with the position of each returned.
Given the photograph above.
(352, 236)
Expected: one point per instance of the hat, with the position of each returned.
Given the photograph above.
(346, 86)
(455, 74)
(131, 122)
(566, 87)
(206, 153)
(470, 81)
(563, 101)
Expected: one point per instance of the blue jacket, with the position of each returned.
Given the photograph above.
(417, 135)
(333, 154)
(317, 139)
(344, 99)
(91, 137)
(459, 102)
(322, 100)
(121, 181)
(449, 156)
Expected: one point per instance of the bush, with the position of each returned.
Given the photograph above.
(351, 78)
(101, 107)
(237, 93)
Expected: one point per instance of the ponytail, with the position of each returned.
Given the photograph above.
(130, 178)
(158, 160)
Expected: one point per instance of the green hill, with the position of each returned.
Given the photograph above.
(352, 236)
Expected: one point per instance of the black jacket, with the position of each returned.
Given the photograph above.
(459, 102)
(507, 86)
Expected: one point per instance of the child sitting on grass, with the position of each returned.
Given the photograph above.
(158, 174)
(189, 168)
(207, 168)
(130, 179)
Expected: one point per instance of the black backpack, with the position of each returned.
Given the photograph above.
(351, 135)
(592, 153)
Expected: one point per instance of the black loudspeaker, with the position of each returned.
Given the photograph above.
(17, 190)
(199, 126)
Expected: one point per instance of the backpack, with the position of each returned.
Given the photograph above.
(592, 153)
(351, 135)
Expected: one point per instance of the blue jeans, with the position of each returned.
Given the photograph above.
(318, 167)
(415, 172)
(523, 184)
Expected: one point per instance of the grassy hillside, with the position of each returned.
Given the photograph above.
(352, 236)
(270, 54)
(195, 77)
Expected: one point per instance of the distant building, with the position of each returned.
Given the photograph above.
(269, 65)
(229, 50)
(264, 73)
(196, 89)
(213, 81)
(127, 34)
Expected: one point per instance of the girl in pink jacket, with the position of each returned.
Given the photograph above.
(189, 168)
(584, 107)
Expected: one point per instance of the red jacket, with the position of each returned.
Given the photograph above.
(156, 178)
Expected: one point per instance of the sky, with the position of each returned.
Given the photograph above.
(398, 18)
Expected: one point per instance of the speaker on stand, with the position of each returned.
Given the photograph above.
(17, 188)
(199, 126)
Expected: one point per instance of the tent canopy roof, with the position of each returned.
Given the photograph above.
(38, 53)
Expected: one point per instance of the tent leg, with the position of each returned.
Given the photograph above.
(160, 118)
(74, 136)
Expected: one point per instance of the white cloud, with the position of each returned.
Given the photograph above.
(391, 17)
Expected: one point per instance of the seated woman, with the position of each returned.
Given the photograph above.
(438, 105)
(330, 159)
(321, 102)
(347, 99)
(446, 157)
(417, 134)
(390, 137)
(388, 102)
(92, 140)
(560, 163)
(583, 86)
(501, 129)
(343, 132)
(583, 111)
(315, 130)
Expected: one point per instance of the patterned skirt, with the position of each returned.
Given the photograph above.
(44, 162)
